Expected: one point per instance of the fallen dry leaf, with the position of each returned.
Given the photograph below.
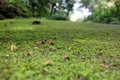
(19, 65)
(41, 42)
(66, 57)
(30, 53)
(107, 71)
(36, 47)
(13, 47)
(45, 70)
(48, 62)
(52, 42)
(104, 65)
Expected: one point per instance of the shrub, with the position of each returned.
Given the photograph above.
(58, 17)
(10, 15)
(10, 11)
(105, 15)
(2, 17)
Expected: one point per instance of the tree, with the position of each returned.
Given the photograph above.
(38, 7)
(61, 11)
(107, 11)
(53, 5)
(69, 5)
(10, 11)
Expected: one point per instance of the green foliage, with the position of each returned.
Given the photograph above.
(19, 3)
(69, 5)
(58, 17)
(10, 11)
(10, 15)
(103, 13)
(39, 8)
(2, 17)
(36, 8)
(61, 14)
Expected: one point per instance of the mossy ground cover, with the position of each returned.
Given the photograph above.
(93, 50)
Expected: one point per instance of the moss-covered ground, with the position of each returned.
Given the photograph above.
(80, 51)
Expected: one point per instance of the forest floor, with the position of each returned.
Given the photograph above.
(58, 50)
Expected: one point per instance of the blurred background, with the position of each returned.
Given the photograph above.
(100, 11)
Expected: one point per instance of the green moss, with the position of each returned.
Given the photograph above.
(93, 50)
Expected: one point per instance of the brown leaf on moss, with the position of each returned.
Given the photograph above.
(104, 65)
(107, 71)
(45, 70)
(41, 42)
(30, 53)
(36, 47)
(52, 42)
(13, 47)
(66, 57)
(48, 63)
